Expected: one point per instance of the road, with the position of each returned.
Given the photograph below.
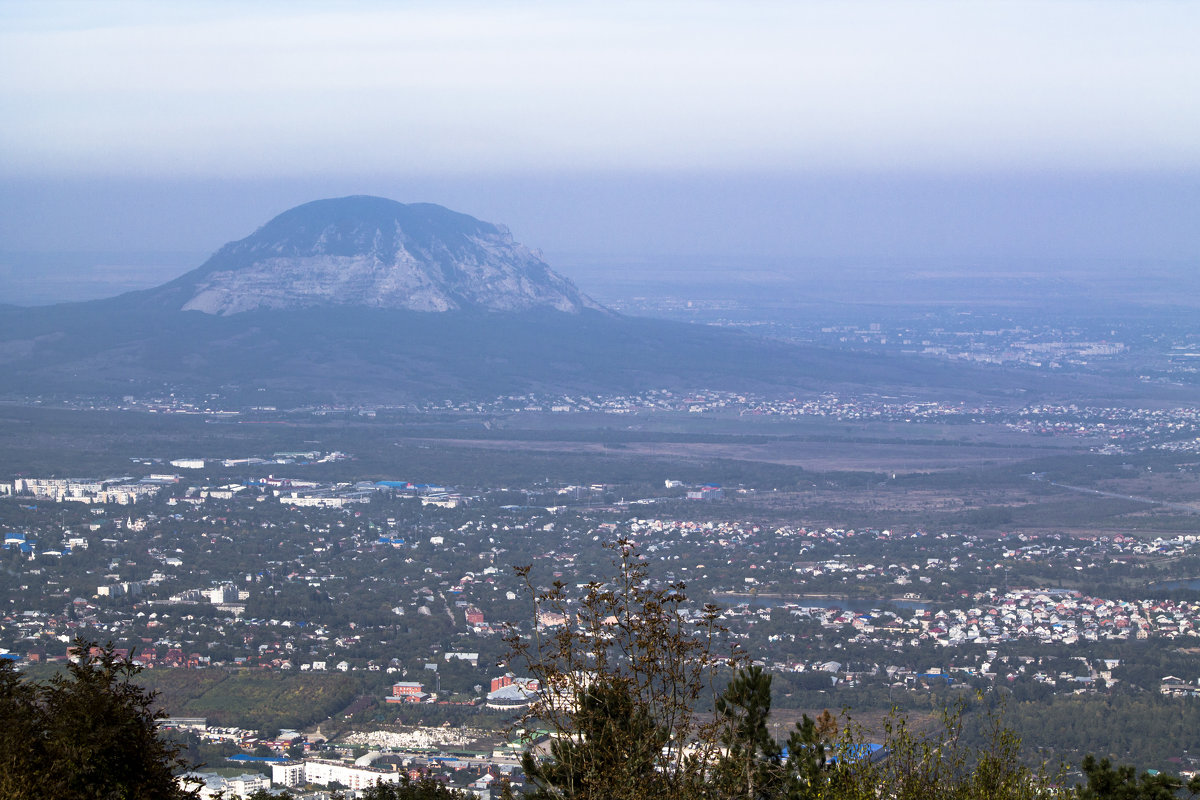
(1187, 509)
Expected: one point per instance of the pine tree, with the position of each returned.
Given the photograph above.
(750, 766)
(90, 733)
(22, 750)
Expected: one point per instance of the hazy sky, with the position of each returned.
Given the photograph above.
(810, 127)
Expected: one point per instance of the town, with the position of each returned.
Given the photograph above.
(389, 599)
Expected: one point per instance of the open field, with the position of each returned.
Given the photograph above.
(815, 456)
(808, 471)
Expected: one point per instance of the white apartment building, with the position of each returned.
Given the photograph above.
(322, 771)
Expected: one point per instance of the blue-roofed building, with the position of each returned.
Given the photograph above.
(939, 676)
(871, 751)
(19, 541)
(242, 758)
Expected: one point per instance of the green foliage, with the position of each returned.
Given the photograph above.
(1141, 728)
(621, 681)
(616, 746)
(407, 789)
(751, 755)
(752, 764)
(808, 768)
(1106, 782)
(255, 699)
(939, 765)
(89, 733)
(22, 751)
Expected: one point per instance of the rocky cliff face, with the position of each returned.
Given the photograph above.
(375, 253)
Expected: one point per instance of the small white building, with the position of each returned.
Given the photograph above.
(213, 785)
(188, 463)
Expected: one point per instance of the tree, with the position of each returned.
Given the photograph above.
(621, 670)
(90, 733)
(752, 757)
(407, 789)
(808, 769)
(1106, 782)
(938, 765)
(22, 750)
(614, 749)
(752, 764)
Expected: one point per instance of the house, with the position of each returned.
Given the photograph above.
(406, 692)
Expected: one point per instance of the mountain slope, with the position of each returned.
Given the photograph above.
(349, 354)
(333, 301)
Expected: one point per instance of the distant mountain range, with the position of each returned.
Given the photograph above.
(366, 299)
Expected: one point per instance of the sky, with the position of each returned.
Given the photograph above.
(140, 136)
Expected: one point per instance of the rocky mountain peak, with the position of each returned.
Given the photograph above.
(376, 253)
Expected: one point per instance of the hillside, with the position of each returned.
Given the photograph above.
(365, 299)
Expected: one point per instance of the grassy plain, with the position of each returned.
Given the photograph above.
(974, 476)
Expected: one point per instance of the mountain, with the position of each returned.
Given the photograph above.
(362, 299)
(372, 252)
